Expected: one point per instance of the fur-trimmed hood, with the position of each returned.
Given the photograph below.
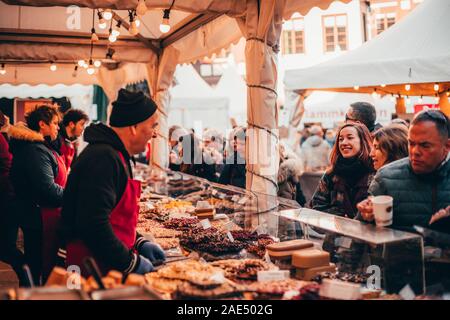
(290, 169)
(21, 132)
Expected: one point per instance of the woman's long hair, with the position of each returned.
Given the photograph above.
(366, 146)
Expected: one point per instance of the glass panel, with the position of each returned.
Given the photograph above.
(341, 20)
(329, 21)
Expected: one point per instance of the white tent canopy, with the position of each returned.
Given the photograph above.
(193, 102)
(415, 50)
(233, 86)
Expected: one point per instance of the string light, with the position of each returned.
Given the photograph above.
(101, 21)
(356, 88)
(164, 27)
(133, 27)
(448, 93)
(112, 38)
(85, 65)
(97, 63)
(74, 73)
(80, 63)
(383, 86)
(2, 69)
(436, 87)
(90, 70)
(137, 21)
(107, 14)
(407, 87)
(375, 94)
(94, 36)
(116, 31)
(141, 8)
(421, 99)
(53, 66)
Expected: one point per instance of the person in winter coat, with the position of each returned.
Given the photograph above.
(38, 175)
(288, 181)
(195, 161)
(315, 151)
(71, 129)
(9, 223)
(234, 170)
(389, 144)
(419, 184)
(346, 182)
(100, 210)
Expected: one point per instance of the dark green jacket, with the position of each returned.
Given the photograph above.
(412, 193)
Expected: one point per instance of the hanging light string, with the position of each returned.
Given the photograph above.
(386, 92)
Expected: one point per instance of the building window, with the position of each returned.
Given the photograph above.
(335, 32)
(384, 21)
(293, 36)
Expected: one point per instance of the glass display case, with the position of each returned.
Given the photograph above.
(364, 248)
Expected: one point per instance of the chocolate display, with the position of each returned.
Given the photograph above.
(343, 276)
(211, 242)
(246, 269)
(181, 224)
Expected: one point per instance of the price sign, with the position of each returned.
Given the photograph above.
(205, 224)
(273, 275)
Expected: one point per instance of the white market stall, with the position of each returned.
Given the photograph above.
(36, 32)
(412, 58)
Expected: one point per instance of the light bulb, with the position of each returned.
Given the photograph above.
(407, 87)
(116, 31)
(102, 24)
(94, 37)
(133, 29)
(53, 67)
(107, 14)
(97, 63)
(436, 87)
(112, 38)
(141, 8)
(81, 63)
(74, 74)
(2, 69)
(420, 99)
(164, 27)
(383, 85)
(137, 21)
(85, 65)
(375, 95)
(448, 93)
(90, 70)
(356, 88)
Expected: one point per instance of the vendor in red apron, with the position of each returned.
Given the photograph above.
(100, 209)
(38, 175)
(71, 129)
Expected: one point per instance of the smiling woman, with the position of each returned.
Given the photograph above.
(350, 173)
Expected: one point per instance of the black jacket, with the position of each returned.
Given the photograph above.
(33, 171)
(95, 186)
(233, 172)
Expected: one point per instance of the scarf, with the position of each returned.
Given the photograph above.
(351, 169)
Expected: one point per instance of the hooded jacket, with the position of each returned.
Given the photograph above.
(288, 181)
(33, 171)
(95, 186)
(315, 153)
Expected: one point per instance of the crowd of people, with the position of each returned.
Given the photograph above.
(81, 205)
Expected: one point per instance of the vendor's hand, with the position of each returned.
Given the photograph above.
(366, 209)
(152, 251)
(143, 266)
(441, 214)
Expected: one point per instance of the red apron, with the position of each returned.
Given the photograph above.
(68, 152)
(50, 221)
(123, 221)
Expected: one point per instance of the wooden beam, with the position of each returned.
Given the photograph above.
(17, 35)
(189, 27)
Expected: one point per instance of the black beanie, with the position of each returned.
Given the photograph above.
(131, 108)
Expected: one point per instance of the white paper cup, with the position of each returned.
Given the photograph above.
(382, 210)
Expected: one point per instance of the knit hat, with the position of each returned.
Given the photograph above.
(131, 108)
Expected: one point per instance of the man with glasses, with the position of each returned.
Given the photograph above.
(100, 209)
(363, 112)
(419, 184)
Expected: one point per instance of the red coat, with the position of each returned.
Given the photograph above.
(5, 166)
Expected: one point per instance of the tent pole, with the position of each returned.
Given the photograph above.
(444, 104)
(400, 106)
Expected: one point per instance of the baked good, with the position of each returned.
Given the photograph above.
(168, 243)
(135, 280)
(161, 284)
(201, 274)
(290, 245)
(246, 269)
(310, 273)
(310, 258)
